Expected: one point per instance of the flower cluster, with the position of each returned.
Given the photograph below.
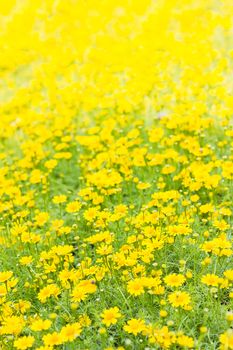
(116, 174)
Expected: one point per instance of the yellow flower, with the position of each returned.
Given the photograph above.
(3, 290)
(90, 214)
(73, 207)
(135, 287)
(78, 294)
(226, 340)
(82, 289)
(52, 339)
(179, 298)
(174, 280)
(26, 260)
(203, 329)
(110, 316)
(47, 291)
(5, 276)
(155, 134)
(185, 341)
(211, 280)
(104, 249)
(23, 305)
(102, 331)
(36, 176)
(23, 343)
(70, 332)
(163, 313)
(135, 326)
(206, 208)
(84, 321)
(12, 325)
(143, 186)
(41, 218)
(229, 274)
(50, 164)
(39, 325)
(59, 199)
(229, 316)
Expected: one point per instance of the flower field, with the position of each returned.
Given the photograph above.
(116, 174)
